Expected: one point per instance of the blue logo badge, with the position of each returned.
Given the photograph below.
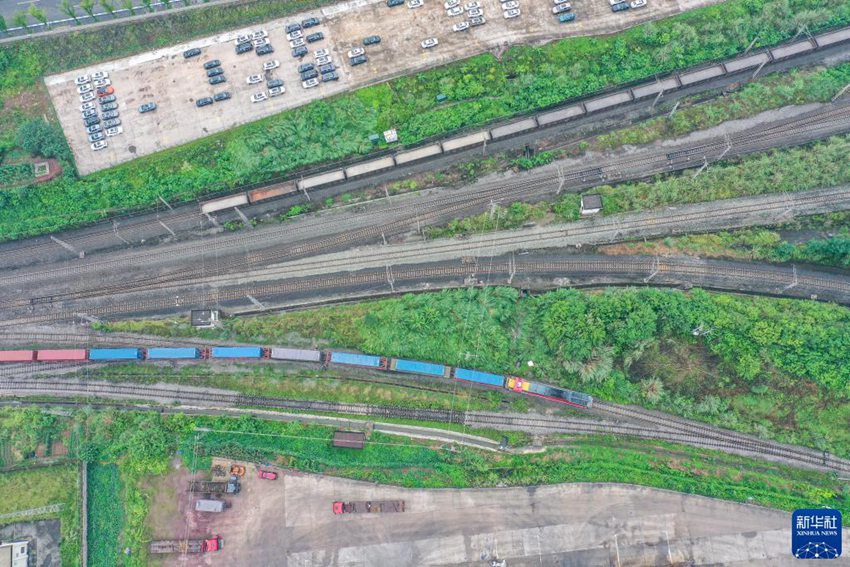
(816, 534)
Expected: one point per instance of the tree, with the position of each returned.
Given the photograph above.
(88, 8)
(40, 138)
(38, 14)
(3, 26)
(147, 4)
(20, 20)
(128, 5)
(69, 10)
(167, 3)
(108, 6)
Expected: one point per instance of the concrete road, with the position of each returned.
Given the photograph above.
(289, 522)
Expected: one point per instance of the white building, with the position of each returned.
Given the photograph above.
(14, 554)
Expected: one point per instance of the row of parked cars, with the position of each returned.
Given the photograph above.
(621, 5)
(299, 38)
(99, 108)
(275, 86)
(321, 70)
(563, 10)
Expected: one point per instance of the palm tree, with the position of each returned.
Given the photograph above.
(38, 14)
(128, 5)
(68, 8)
(20, 20)
(88, 8)
(108, 6)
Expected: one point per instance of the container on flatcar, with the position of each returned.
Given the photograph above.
(419, 367)
(352, 359)
(61, 355)
(371, 166)
(322, 179)
(115, 354)
(479, 377)
(17, 355)
(513, 128)
(236, 352)
(467, 141)
(296, 354)
(418, 154)
(173, 353)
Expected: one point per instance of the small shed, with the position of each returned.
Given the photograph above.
(204, 505)
(591, 204)
(204, 318)
(349, 439)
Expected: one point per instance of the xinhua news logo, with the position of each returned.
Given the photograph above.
(816, 534)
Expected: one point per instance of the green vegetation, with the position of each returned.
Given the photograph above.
(751, 355)
(106, 514)
(525, 78)
(38, 487)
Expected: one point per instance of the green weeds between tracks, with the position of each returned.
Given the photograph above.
(524, 79)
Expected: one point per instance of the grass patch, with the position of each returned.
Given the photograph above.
(480, 89)
(105, 515)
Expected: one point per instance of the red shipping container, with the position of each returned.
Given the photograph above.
(17, 355)
(61, 355)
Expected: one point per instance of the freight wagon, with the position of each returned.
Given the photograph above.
(113, 354)
(419, 367)
(296, 354)
(236, 352)
(362, 360)
(207, 545)
(174, 353)
(17, 355)
(479, 377)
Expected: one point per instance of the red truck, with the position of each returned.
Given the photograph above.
(370, 507)
(208, 545)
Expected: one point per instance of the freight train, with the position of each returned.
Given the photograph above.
(401, 365)
(749, 63)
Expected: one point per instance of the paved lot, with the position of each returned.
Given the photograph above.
(289, 522)
(175, 83)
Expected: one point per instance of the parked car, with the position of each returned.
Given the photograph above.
(451, 4)
(619, 7)
(86, 88)
(568, 17)
(310, 22)
(258, 97)
(104, 91)
(355, 51)
(276, 91)
(477, 21)
(102, 83)
(266, 49)
(89, 112)
(332, 76)
(87, 106)
(212, 64)
(96, 137)
(637, 4)
(314, 37)
(293, 27)
(114, 131)
(297, 34)
(260, 42)
(561, 8)
(109, 115)
(304, 67)
(324, 52)
(327, 68)
(218, 97)
(511, 13)
(215, 72)
(372, 40)
(556, 2)
(107, 99)
(99, 75)
(266, 475)
(472, 5)
(194, 52)
(99, 145)
(311, 74)
(112, 123)
(91, 120)
(94, 128)
(274, 83)
(475, 13)
(359, 60)
(86, 97)
(242, 39)
(415, 4)
(310, 83)
(217, 80)
(456, 11)
(392, 3)
(429, 43)
(244, 48)
(254, 79)
(259, 34)
(299, 52)
(147, 107)
(269, 65)
(81, 80)
(510, 5)
(460, 26)
(110, 106)
(205, 101)
(323, 60)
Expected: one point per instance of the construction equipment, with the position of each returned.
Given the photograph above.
(237, 470)
(369, 507)
(231, 486)
(207, 545)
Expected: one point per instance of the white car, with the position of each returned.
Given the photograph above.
(277, 91)
(102, 83)
(510, 5)
(241, 39)
(614, 2)
(556, 2)
(511, 13)
(83, 89)
(355, 51)
(297, 34)
(472, 5)
(86, 97)
(451, 4)
(460, 26)
(269, 65)
(81, 80)
(260, 42)
(254, 79)
(87, 106)
(323, 53)
(310, 83)
(259, 34)
(456, 11)
(99, 145)
(296, 43)
(475, 12)
(114, 131)
(429, 43)
(99, 75)
(415, 4)
(637, 4)
(323, 60)
(258, 97)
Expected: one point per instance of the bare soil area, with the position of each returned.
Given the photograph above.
(164, 76)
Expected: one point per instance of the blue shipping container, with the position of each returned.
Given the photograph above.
(356, 359)
(237, 352)
(115, 354)
(173, 353)
(419, 367)
(480, 377)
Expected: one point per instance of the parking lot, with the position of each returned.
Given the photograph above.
(175, 83)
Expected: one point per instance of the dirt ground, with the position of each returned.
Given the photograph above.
(289, 522)
(175, 83)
